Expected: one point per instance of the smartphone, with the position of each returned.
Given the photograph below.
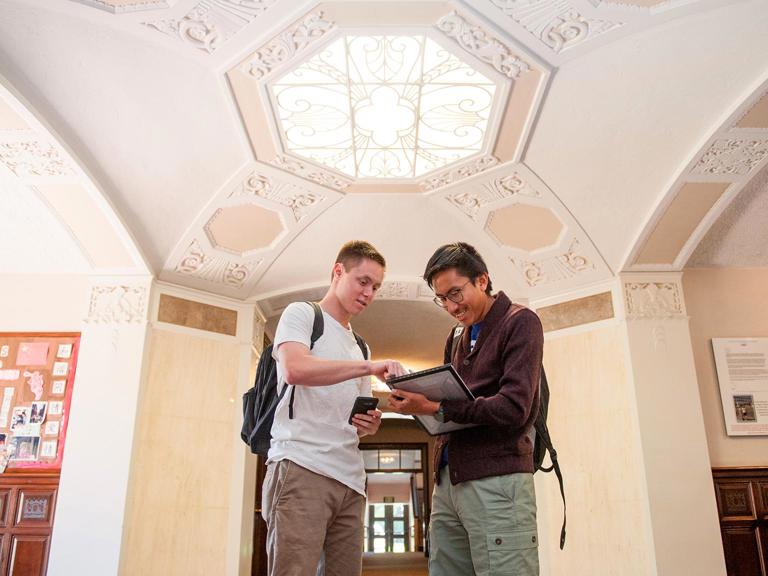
(362, 405)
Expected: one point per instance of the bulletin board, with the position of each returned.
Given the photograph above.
(37, 374)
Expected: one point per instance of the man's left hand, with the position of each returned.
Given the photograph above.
(412, 403)
(367, 424)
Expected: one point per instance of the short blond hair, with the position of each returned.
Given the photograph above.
(354, 251)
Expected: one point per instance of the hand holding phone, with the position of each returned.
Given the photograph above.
(362, 405)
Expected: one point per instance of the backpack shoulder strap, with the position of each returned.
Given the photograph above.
(542, 431)
(362, 344)
(317, 325)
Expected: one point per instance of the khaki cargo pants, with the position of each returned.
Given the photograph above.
(307, 513)
(484, 527)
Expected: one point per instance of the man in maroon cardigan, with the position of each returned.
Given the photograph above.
(483, 507)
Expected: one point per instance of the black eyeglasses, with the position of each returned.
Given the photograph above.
(456, 296)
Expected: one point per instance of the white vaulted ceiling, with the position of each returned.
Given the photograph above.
(617, 140)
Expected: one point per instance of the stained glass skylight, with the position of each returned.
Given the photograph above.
(383, 107)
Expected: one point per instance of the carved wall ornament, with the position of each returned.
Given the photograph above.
(310, 172)
(482, 45)
(732, 156)
(210, 23)
(548, 270)
(456, 174)
(287, 45)
(506, 187)
(394, 290)
(217, 269)
(653, 299)
(556, 23)
(33, 158)
(297, 199)
(117, 304)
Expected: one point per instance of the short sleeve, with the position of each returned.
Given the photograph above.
(295, 325)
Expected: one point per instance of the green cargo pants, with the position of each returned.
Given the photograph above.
(484, 527)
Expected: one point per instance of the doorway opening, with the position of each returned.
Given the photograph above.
(397, 515)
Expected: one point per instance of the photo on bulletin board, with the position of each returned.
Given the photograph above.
(37, 377)
(742, 374)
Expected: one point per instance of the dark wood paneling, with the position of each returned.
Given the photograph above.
(29, 555)
(742, 503)
(27, 511)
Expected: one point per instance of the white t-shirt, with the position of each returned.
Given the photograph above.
(319, 437)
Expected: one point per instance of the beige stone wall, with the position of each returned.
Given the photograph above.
(594, 427)
(725, 303)
(181, 475)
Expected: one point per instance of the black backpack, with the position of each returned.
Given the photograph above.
(261, 400)
(542, 442)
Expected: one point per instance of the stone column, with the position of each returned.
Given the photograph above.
(680, 493)
(94, 476)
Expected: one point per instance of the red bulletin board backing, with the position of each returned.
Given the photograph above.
(37, 375)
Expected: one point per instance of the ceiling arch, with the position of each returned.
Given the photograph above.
(54, 217)
(626, 91)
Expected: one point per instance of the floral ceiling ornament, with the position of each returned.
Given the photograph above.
(295, 198)
(456, 174)
(287, 45)
(33, 158)
(217, 269)
(732, 156)
(311, 172)
(210, 23)
(554, 269)
(558, 24)
(482, 45)
(472, 201)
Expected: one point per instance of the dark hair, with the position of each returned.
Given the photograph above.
(354, 251)
(461, 256)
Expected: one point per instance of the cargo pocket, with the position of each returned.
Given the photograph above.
(514, 553)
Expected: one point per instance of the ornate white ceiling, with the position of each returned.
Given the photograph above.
(609, 113)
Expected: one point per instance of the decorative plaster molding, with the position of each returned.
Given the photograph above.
(121, 6)
(33, 158)
(732, 156)
(482, 45)
(653, 299)
(506, 187)
(216, 269)
(299, 201)
(210, 23)
(117, 304)
(546, 271)
(456, 174)
(311, 172)
(556, 23)
(394, 291)
(287, 45)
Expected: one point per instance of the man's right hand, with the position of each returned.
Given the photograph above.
(384, 369)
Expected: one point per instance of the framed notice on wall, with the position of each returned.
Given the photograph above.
(742, 371)
(37, 374)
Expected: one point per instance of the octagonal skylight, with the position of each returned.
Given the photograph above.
(383, 107)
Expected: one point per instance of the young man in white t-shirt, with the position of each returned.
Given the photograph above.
(314, 489)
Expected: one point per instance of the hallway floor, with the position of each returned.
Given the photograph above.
(405, 564)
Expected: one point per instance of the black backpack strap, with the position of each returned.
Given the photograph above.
(362, 344)
(317, 331)
(543, 433)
